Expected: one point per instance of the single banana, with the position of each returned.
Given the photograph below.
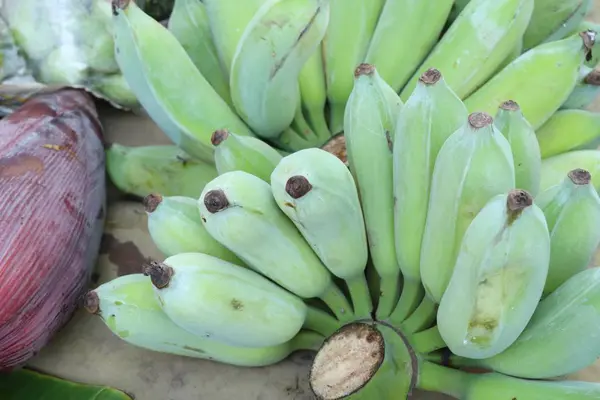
(554, 169)
(396, 60)
(566, 322)
(276, 44)
(317, 192)
(476, 43)
(187, 108)
(244, 153)
(215, 299)
(495, 386)
(553, 20)
(512, 124)
(474, 165)
(572, 210)
(313, 92)
(239, 211)
(368, 125)
(431, 114)
(175, 227)
(228, 20)
(498, 278)
(165, 169)
(585, 92)
(129, 308)
(568, 130)
(351, 25)
(551, 68)
(190, 25)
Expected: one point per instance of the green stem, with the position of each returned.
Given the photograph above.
(321, 322)
(412, 294)
(301, 126)
(307, 340)
(427, 341)
(361, 297)
(435, 378)
(338, 303)
(422, 318)
(388, 294)
(316, 119)
(336, 117)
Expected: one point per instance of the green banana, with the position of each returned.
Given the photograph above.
(215, 299)
(313, 92)
(474, 165)
(476, 43)
(554, 169)
(115, 90)
(175, 227)
(551, 68)
(568, 130)
(239, 211)
(572, 210)
(317, 192)
(244, 153)
(187, 108)
(553, 20)
(165, 169)
(585, 92)
(431, 114)
(396, 60)
(494, 386)
(351, 25)
(364, 361)
(128, 307)
(228, 20)
(525, 148)
(566, 322)
(276, 44)
(368, 124)
(190, 25)
(498, 278)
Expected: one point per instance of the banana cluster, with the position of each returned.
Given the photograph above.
(454, 230)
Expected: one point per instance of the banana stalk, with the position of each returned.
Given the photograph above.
(568, 130)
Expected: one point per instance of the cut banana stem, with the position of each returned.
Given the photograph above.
(422, 318)
(141, 43)
(476, 43)
(345, 44)
(128, 307)
(238, 210)
(364, 361)
(554, 169)
(498, 278)
(175, 227)
(524, 145)
(368, 124)
(163, 169)
(566, 322)
(494, 386)
(320, 321)
(271, 52)
(432, 113)
(572, 211)
(244, 153)
(316, 191)
(396, 60)
(410, 298)
(553, 20)
(567, 130)
(585, 92)
(461, 185)
(552, 68)
(427, 341)
(190, 24)
(313, 93)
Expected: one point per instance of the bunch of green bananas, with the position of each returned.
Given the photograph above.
(436, 248)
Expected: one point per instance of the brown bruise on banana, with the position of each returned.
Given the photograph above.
(479, 120)
(589, 39)
(364, 69)
(580, 177)
(347, 361)
(160, 274)
(510, 105)
(119, 5)
(91, 302)
(215, 201)
(517, 201)
(151, 202)
(430, 77)
(593, 78)
(297, 186)
(219, 136)
(337, 146)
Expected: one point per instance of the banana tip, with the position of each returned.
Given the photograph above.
(364, 69)
(479, 120)
(580, 176)
(91, 302)
(160, 274)
(219, 136)
(510, 105)
(517, 201)
(589, 39)
(431, 76)
(593, 78)
(119, 5)
(297, 186)
(215, 201)
(151, 202)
